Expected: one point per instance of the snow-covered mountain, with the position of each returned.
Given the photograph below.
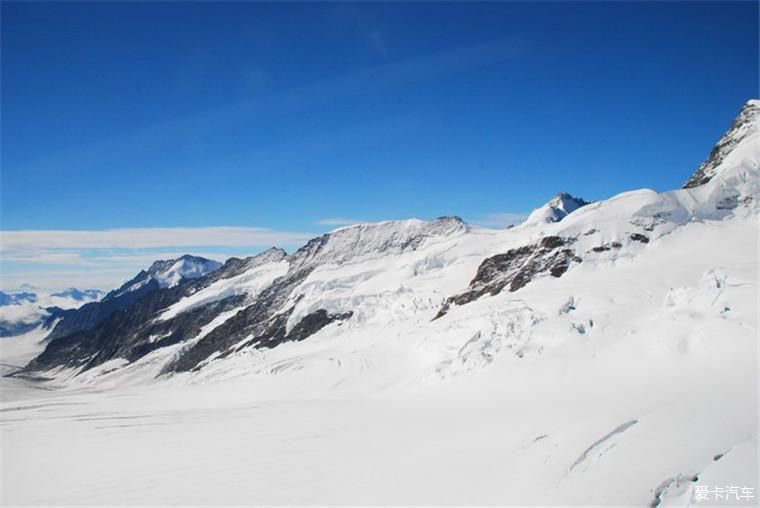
(599, 353)
(167, 273)
(556, 209)
(163, 274)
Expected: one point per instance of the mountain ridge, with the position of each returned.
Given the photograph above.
(358, 275)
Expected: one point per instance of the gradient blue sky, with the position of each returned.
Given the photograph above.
(284, 120)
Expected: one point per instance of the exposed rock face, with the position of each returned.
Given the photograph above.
(90, 315)
(743, 127)
(516, 268)
(130, 322)
(264, 323)
(123, 325)
(638, 237)
(608, 246)
(161, 274)
(128, 334)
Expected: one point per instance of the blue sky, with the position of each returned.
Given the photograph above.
(262, 123)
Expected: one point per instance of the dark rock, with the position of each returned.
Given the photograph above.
(89, 315)
(638, 237)
(515, 269)
(552, 242)
(737, 133)
(132, 330)
(607, 246)
(124, 325)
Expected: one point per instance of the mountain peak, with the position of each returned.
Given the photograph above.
(165, 273)
(732, 148)
(556, 209)
(566, 202)
(172, 272)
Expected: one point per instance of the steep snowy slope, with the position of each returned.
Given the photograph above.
(101, 333)
(728, 153)
(161, 274)
(168, 273)
(605, 355)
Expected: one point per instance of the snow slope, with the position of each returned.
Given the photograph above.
(620, 371)
(168, 273)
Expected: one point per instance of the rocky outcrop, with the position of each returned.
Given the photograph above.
(638, 237)
(263, 324)
(743, 126)
(158, 276)
(516, 268)
(90, 315)
(123, 324)
(126, 323)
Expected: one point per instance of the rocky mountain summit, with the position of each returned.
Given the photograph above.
(161, 274)
(744, 131)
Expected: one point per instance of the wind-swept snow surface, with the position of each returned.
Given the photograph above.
(605, 356)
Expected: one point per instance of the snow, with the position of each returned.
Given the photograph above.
(169, 273)
(250, 283)
(448, 412)
(15, 352)
(617, 384)
(186, 267)
(556, 209)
